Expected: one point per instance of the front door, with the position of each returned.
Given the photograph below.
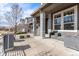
(46, 26)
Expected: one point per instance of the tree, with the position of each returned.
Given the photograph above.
(9, 19)
(16, 11)
(14, 15)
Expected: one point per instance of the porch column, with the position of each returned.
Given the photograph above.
(49, 23)
(62, 21)
(34, 25)
(42, 24)
(53, 23)
(75, 17)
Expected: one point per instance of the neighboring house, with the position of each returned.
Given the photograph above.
(22, 26)
(63, 17)
(25, 25)
(29, 24)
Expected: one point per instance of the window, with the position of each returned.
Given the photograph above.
(65, 19)
(69, 16)
(57, 22)
(69, 26)
(57, 27)
(69, 20)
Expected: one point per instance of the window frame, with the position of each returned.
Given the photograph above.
(63, 11)
(57, 19)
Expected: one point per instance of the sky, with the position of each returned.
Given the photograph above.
(28, 9)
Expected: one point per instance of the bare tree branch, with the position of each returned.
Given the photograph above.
(14, 15)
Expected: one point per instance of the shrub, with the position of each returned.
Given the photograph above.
(21, 33)
(59, 34)
(21, 37)
(28, 36)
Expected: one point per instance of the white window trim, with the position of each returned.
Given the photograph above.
(62, 12)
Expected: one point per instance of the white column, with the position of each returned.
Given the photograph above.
(34, 26)
(42, 24)
(75, 17)
(49, 24)
(53, 23)
(62, 21)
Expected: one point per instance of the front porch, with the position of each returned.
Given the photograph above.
(61, 17)
(37, 46)
(53, 17)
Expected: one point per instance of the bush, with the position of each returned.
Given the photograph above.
(28, 36)
(21, 37)
(21, 33)
(59, 34)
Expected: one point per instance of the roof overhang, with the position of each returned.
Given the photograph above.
(52, 7)
(40, 8)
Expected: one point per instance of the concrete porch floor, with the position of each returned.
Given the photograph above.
(40, 47)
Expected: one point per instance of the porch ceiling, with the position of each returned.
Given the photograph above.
(55, 7)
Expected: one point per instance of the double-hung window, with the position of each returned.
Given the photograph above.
(57, 22)
(69, 20)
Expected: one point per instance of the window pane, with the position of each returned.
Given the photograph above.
(69, 16)
(57, 22)
(57, 27)
(68, 19)
(69, 26)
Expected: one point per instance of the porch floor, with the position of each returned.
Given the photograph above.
(40, 47)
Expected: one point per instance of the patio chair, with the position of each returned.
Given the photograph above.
(52, 33)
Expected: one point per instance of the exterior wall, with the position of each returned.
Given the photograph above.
(29, 20)
(61, 13)
(78, 21)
